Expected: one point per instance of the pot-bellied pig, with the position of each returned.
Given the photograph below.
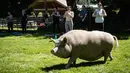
(86, 45)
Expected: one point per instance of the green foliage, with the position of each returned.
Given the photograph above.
(14, 6)
(31, 54)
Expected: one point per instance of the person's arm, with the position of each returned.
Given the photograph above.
(71, 14)
(84, 16)
(94, 14)
(65, 14)
(52, 14)
(104, 13)
(58, 14)
(12, 17)
(80, 15)
(7, 18)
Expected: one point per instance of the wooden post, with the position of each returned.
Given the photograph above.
(45, 3)
(99, 0)
(89, 20)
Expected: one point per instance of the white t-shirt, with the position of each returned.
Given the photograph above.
(98, 15)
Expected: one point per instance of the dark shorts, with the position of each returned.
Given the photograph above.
(99, 26)
(10, 24)
(83, 25)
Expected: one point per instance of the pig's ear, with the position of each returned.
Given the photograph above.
(65, 40)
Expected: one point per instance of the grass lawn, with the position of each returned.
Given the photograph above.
(31, 54)
(16, 29)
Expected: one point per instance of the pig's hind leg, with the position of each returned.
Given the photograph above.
(110, 56)
(106, 55)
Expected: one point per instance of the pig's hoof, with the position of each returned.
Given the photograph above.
(111, 59)
(103, 62)
(66, 67)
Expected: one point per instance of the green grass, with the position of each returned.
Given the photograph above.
(16, 28)
(31, 54)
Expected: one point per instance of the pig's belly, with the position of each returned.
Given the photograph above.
(91, 55)
(91, 58)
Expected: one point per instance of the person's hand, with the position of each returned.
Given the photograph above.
(68, 13)
(101, 15)
(81, 16)
(82, 20)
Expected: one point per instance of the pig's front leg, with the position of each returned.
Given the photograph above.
(72, 59)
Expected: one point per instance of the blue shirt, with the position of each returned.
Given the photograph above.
(83, 12)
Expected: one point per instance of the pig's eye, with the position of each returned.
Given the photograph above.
(61, 47)
(57, 44)
(62, 44)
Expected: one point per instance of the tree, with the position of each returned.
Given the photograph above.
(14, 6)
(118, 12)
(122, 7)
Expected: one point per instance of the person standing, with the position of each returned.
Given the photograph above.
(68, 15)
(9, 19)
(99, 15)
(56, 20)
(24, 20)
(45, 16)
(83, 18)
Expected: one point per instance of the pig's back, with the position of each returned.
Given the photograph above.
(75, 37)
(82, 37)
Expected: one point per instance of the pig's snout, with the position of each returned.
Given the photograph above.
(53, 51)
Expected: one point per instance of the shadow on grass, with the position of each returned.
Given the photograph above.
(29, 34)
(62, 66)
(40, 31)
